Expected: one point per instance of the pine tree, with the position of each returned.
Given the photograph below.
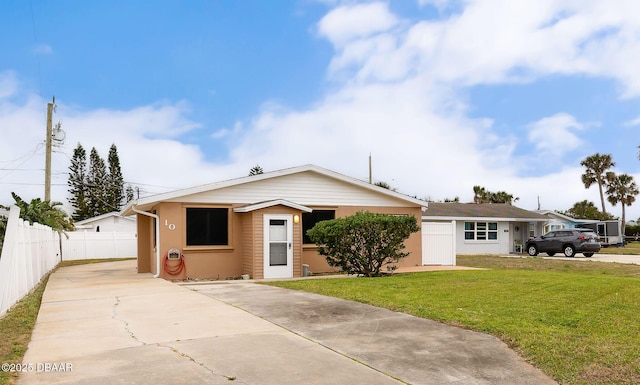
(77, 184)
(115, 183)
(97, 184)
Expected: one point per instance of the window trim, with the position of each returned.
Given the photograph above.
(228, 246)
(481, 227)
(335, 215)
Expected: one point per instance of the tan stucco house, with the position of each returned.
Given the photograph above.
(256, 225)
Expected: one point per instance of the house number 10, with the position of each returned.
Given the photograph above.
(171, 226)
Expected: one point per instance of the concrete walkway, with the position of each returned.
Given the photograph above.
(106, 324)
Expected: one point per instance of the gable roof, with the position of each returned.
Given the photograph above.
(276, 202)
(494, 211)
(566, 218)
(103, 216)
(148, 202)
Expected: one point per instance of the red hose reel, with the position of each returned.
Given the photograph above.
(173, 263)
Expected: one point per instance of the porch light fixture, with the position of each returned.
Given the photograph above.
(296, 218)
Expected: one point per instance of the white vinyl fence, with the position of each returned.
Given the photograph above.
(28, 253)
(439, 243)
(31, 251)
(91, 244)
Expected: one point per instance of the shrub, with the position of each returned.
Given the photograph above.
(365, 242)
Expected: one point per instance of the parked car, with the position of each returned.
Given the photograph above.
(567, 241)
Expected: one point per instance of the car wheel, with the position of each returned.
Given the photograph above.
(551, 254)
(588, 255)
(569, 251)
(532, 250)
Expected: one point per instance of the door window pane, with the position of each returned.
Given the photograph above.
(278, 254)
(277, 230)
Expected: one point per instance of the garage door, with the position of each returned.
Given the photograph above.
(439, 243)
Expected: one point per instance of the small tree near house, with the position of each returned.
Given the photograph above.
(364, 243)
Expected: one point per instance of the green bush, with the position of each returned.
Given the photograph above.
(630, 231)
(365, 242)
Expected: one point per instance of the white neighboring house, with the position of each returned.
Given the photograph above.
(109, 222)
(487, 228)
(105, 236)
(559, 221)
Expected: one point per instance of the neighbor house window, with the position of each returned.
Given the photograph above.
(554, 227)
(310, 219)
(532, 230)
(207, 226)
(481, 231)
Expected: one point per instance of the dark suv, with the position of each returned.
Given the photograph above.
(567, 241)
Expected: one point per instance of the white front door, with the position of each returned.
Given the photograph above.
(278, 247)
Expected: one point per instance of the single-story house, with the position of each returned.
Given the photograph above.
(108, 222)
(487, 228)
(256, 225)
(609, 231)
(559, 221)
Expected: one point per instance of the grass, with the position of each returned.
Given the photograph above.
(632, 248)
(576, 321)
(16, 327)
(17, 324)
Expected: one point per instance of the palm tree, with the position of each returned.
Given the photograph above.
(479, 194)
(622, 189)
(44, 212)
(597, 166)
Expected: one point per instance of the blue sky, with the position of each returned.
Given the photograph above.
(444, 95)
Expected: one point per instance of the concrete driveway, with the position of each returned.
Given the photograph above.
(105, 324)
(414, 350)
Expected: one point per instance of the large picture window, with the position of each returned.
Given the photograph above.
(310, 219)
(481, 231)
(207, 226)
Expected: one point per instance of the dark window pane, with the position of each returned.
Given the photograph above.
(310, 219)
(493, 235)
(469, 226)
(493, 226)
(207, 227)
(468, 235)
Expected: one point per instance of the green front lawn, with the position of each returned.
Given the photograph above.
(632, 248)
(577, 321)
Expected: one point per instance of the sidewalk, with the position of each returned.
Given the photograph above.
(105, 324)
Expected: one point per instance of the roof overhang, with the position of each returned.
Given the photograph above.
(275, 202)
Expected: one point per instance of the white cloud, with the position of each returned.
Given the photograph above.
(8, 84)
(398, 99)
(147, 139)
(633, 122)
(554, 135)
(348, 22)
(43, 49)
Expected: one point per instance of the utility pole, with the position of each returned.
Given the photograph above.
(370, 173)
(47, 166)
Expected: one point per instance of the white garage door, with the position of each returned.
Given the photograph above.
(439, 243)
